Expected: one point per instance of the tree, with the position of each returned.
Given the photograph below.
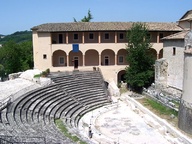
(87, 18)
(140, 71)
(2, 72)
(26, 55)
(10, 57)
(16, 57)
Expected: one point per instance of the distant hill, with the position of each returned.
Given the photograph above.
(1, 36)
(19, 36)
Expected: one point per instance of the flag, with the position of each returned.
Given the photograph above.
(75, 47)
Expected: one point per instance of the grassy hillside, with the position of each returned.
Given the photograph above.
(18, 37)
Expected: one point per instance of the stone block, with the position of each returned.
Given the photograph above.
(185, 117)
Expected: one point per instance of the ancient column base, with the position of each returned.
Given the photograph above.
(185, 117)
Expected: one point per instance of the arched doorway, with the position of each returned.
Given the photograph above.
(153, 52)
(75, 59)
(121, 76)
(91, 58)
(107, 57)
(59, 58)
(161, 53)
(121, 57)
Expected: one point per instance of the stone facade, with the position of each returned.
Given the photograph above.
(161, 67)
(185, 109)
(173, 53)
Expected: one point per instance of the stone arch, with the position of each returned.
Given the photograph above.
(107, 57)
(59, 58)
(75, 55)
(161, 53)
(91, 58)
(121, 76)
(121, 57)
(153, 52)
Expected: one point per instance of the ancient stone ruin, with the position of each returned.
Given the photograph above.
(185, 109)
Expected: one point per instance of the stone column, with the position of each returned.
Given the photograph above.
(185, 108)
(115, 59)
(157, 37)
(83, 37)
(67, 38)
(68, 61)
(83, 60)
(99, 37)
(157, 56)
(99, 60)
(115, 37)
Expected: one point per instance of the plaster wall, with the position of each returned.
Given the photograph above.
(43, 42)
(157, 46)
(88, 40)
(71, 37)
(187, 79)
(184, 24)
(175, 62)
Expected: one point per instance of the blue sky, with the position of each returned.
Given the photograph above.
(19, 15)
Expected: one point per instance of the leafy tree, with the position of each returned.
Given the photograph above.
(10, 57)
(26, 55)
(87, 18)
(16, 57)
(2, 72)
(140, 72)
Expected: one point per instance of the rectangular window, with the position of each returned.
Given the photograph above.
(75, 36)
(160, 37)
(174, 51)
(121, 59)
(121, 36)
(61, 60)
(91, 36)
(60, 38)
(106, 35)
(44, 56)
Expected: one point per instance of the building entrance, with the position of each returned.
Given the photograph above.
(76, 62)
(106, 60)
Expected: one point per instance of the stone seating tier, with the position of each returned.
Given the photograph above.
(69, 97)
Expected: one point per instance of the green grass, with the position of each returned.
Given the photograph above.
(37, 76)
(65, 131)
(160, 108)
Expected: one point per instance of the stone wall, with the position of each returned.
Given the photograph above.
(175, 62)
(161, 67)
(185, 109)
(14, 75)
(185, 117)
(188, 40)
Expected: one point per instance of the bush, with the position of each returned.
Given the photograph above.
(48, 71)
